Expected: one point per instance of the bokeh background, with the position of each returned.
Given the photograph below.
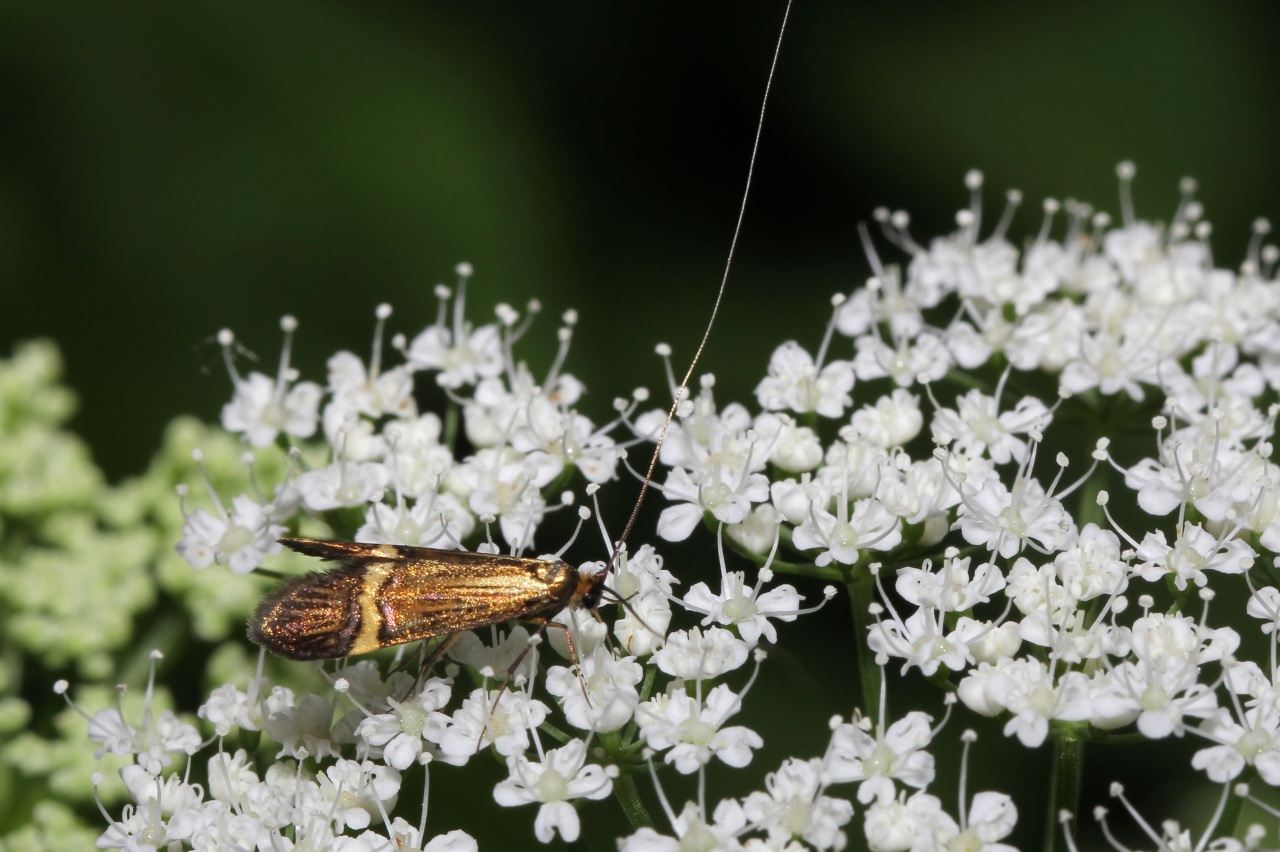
(170, 169)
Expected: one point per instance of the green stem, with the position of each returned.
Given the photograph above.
(1064, 793)
(861, 592)
(450, 430)
(1088, 510)
(1229, 825)
(628, 796)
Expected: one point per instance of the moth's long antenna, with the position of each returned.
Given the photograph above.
(724, 280)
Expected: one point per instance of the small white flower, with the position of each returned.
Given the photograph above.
(1005, 520)
(501, 718)
(505, 483)
(142, 829)
(1030, 693)
(842, 535)
(172, 794)
(226, 829)
(977, 426)
(891, 421)
(908, 823)
(157, 736)
(793, 805)
(231, 777)
(991, 817)
(743, 607)
(645, 585)
(757, 533)
(792, 448)
(905, 361)
(701, 435)
(796, 383)
(1252, 741)
(371, 393)
(693, 731)
(262, 408)
(455, 841)
(400, 734)
(304, 726)
(439, 521)
(726, 496)
(351, 791)
(229, 708)
(896, 754)
(566, 436)
(1092, 566)
(599, 694)
(1194, 552)
(343, 483)
(923, 640)
(240, 539)
(1113, 363)
(692, 832)
(950, 587)
(562, 775)
(496, 661)
(698, 655)
(461, 359)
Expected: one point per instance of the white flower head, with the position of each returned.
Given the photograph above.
(797, 383)
(907, 823)
(744, 607)
(562, 775)
(154, 739)
(701, 655)
(690, 830)
(400, 736)
(896, 754)
(599, 694)
(645, 585)
(793, 804)
(262, 408)
(458, 353)
(501, 718)
(341, 484)
(240, 539)
(352, 793)
(694, 731)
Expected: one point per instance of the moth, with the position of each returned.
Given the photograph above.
(385, 594)
(381, 595)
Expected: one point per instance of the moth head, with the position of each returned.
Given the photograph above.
(591, 587)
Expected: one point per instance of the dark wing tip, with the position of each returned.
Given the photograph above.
(330, 551)
(313, 617)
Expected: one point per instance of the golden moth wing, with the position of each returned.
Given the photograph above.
(431, 599)
(385, 595)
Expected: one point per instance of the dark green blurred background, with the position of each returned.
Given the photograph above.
(169, 169)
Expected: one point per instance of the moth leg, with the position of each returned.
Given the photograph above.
(426, 661)
(573, 652)
(609, 642)
(542, 624)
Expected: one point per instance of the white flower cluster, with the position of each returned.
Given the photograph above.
(1064, 610)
